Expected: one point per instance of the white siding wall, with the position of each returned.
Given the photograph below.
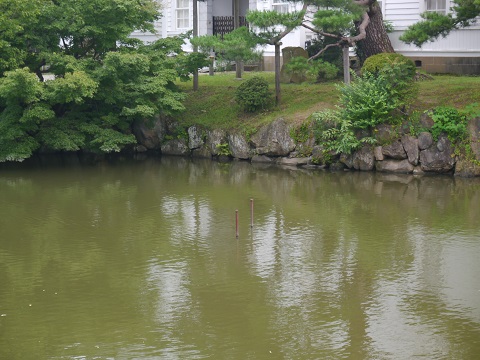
(461, 43)
(402, 13)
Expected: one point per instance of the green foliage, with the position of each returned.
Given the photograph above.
(253, 94)
(454, 123)
(399, 71)
(336, 133)
(368, 101)
(104, 81)
(238, 45)
(188, 63)
(223, 149)
(413, 123)
(300, 134)
(450, 121)
(248, 131)
(463, 13)
(332, 55)
(375, 64)
(269, 25)
(311, 69)
(337, 16)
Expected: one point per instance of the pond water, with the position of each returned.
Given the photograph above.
(140, 260)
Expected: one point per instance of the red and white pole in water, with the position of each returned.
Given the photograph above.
(236, 223)
(251, 213)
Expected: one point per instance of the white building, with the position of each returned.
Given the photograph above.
(457, 53)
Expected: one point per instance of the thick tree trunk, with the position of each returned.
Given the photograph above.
(376, 40)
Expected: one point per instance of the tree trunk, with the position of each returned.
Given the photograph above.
(346, 64)
(195, 48)
(278, 96)
(236, 25)
(376, 40)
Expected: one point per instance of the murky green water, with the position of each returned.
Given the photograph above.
(139, 260)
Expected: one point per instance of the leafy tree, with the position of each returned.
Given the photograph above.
(104, 81)
(270, 28)
(237, 45)
(328, 18)
(463, 14)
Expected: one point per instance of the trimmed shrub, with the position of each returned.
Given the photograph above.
(253, 94)
(399, 71)
(375, 64)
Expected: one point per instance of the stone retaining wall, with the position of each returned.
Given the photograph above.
(273, 144)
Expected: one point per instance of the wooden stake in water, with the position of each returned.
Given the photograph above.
(251, 213)
(236, 223)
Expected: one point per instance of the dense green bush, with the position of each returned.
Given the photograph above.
(399, 71)
(376, 64)
(450, 121)
(334, 132)
(368, 101)
(254, 94)
(314, 70)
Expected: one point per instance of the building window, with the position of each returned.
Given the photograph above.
(280, 6)
(183, 14)
(439, 6)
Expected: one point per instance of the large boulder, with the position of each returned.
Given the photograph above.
(466, 168)
(377, 152)
(474, 131)
(303, 149)
(321, 157)
(439, 158)
(214, 139)
(394, 166)
(273, 139)
(394, 150)
(384, 133)
(150, 134)
(195, 137)
(239, 146)
(347, 160)
(175, 147)
(410, 144)
(364, 159)
(425, 140)
(426, 121)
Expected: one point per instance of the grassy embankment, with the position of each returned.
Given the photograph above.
(214, 106)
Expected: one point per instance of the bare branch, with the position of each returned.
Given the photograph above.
(317, 55)
(322, 32)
